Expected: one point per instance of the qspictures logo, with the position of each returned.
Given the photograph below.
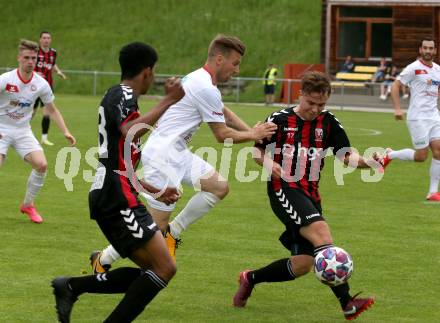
(241, 167)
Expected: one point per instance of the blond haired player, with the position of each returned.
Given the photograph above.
(19, 89)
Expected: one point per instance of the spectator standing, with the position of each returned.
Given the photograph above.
(269, 83)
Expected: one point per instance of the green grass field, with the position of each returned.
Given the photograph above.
(392, 234)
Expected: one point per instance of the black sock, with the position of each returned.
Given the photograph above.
(342, 294)
(115, 281)
(320, 248)
(45, 122)
(278, 271)
(138, 295)
(342, 291)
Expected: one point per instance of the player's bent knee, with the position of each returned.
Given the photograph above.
(302, 264)
(318, 233)
(220, 190)
(420, 158)
(436, 154)
(41, 167)
(170, 270)
(223, 190)
(166, 270)
(421, 155)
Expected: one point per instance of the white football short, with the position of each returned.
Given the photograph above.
(21, 139)
(166, 169)
(423, 132)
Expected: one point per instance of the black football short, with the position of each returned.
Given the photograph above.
(38, 103)
(269, 88)
(127, 230)
(295, 210)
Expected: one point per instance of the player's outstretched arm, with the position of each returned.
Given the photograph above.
(395, 96)
(59, 72)
(233, 121)
(260, 131)
(173, 93)
(169, 195)
(273, 168)
(58, 118)
(355, 160)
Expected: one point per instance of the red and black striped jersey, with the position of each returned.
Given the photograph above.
(45, 63)
(115, 180)
(300, 147)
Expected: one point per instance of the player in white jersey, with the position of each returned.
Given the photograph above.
(166, 159)
(423, 119)
(19, 89)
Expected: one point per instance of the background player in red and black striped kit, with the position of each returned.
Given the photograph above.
(294, 156)
(113, 198)
(46, 62)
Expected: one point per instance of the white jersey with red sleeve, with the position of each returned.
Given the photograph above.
(202, 103)
(423, 81)
(17, 98)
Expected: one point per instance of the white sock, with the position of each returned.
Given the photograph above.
(197, 207)
(34, 185)
(434, 174)
(404, 154)
(109, 255)
(44, 137)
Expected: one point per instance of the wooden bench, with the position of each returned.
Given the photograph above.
(365, 69)
(359, 77)
(347, 84)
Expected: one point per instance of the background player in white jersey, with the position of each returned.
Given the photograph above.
(19, 89)
(423, 119)
(166, 158)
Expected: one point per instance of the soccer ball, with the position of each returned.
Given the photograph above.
(333, 266)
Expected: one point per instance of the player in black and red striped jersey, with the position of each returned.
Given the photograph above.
(294, 156)
(46, 62)
(113, 198)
